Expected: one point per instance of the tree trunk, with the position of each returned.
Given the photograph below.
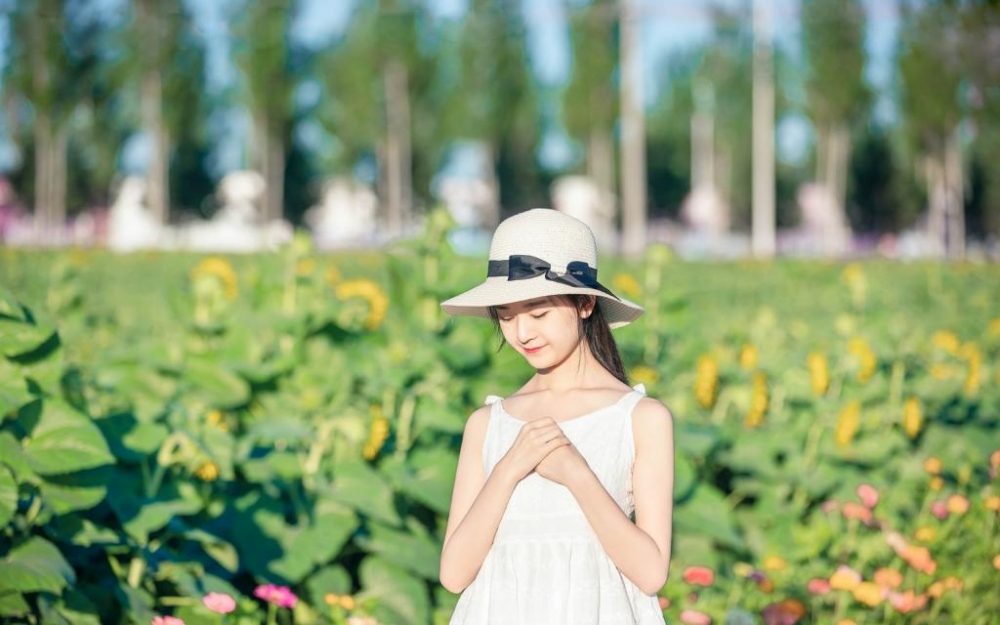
(956, 197)
(763, 217)
(157, 171)
(398, 152)
(43, 177)
(601, 166)
(57, 168)
(274, 181)
(633, 134)
(491, 216)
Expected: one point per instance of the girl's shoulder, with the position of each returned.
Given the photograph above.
(652, 421)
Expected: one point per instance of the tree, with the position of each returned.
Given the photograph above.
(833, 34)
(492, 100)
(372, 81)
(590, 103)
(262, 53)
(168, 66)
(49, 68)
(930, 74)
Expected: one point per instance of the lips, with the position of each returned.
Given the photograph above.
(532, 350)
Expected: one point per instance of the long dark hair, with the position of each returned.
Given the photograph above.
(593, 328)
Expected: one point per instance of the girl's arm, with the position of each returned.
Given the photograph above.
(640, 550)
(478, 503)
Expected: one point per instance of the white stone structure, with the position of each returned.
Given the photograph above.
(581, 197)
(345, 215)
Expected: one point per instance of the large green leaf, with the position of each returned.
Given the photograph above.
(413, 551)
(13, 389)
(35, 566)
(401, 598)
(81, 490)
(18, 338)
(427, 476)
(216, 385)
(363, 488)
(14, 605)
(317, 543)
(12, 455)
(707, 513)
(218, 549)
(65, 441)
(8, 496)
(9, 306)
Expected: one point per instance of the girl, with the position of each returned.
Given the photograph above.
(540, 529)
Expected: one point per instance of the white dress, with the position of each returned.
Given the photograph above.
(546, 565)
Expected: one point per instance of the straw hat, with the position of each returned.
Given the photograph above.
(537, 253)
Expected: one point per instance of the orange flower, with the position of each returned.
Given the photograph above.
(699, 576)
(907, 602)
(854, 510)
(936, 483)
(919, 558)
(868, 593)
(957, 504)
(992, 503)
(844, 578)
(933, 465)
(996, 561)
(888, 578)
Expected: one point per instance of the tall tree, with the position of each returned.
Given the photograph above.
(931, 77)
(373, 79)
(633, 133)
(833, 43)
(590, 102)
(492, 99)
(48, 69)
(262, 53)
(159, 33)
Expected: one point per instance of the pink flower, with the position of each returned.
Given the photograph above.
(167, 620)
(664, 603)
(219, 602)
(699, 576)
(694, 617)
(818, 586)
(940, 510)
(868, 495)
(281, 596)
(852, 510)
(830, 505)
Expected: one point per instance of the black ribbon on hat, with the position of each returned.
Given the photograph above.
(522, 267)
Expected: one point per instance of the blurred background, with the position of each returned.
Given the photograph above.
(723, 128)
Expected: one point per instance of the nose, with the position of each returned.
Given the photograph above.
(525, 328)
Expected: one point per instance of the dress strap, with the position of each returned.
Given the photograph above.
(491, 399)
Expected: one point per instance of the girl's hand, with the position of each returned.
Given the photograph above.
(536, 440)
(562, 465)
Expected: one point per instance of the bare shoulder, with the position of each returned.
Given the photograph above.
(651, 419)
(477, 422)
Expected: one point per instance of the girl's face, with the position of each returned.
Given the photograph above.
(546, 331)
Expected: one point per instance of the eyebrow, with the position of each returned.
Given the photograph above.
(532, 304)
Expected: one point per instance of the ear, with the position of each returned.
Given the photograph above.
(590, 301)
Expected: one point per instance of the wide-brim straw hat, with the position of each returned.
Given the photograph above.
(538, 253)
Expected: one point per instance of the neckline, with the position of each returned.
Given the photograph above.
(617, 403)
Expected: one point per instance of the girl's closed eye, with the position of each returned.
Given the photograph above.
(539, 315)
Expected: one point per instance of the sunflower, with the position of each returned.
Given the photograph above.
(367, 290)
(217, 268)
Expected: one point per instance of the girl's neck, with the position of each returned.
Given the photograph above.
(580, 370)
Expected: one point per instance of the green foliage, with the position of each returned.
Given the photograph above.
(263, 419)
(833, 41)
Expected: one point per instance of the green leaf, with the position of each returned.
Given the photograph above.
(13, 389)
(361, 487)
(329, 579)
(401, 598)
(316, 544)
(218, 549)
(35, 566)
(14, 605)
(65, 441)
(414, 552)
(81, 490)
(428, 477)
(8, 496)
(12, 456)
(9, 306)
(154, 515)
(18, 338)
(707, 513)
(216, 385)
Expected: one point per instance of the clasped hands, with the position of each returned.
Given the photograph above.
(542, 447)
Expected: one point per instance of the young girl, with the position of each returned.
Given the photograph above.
(540, 529)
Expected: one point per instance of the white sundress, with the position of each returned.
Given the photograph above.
(546, 565)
